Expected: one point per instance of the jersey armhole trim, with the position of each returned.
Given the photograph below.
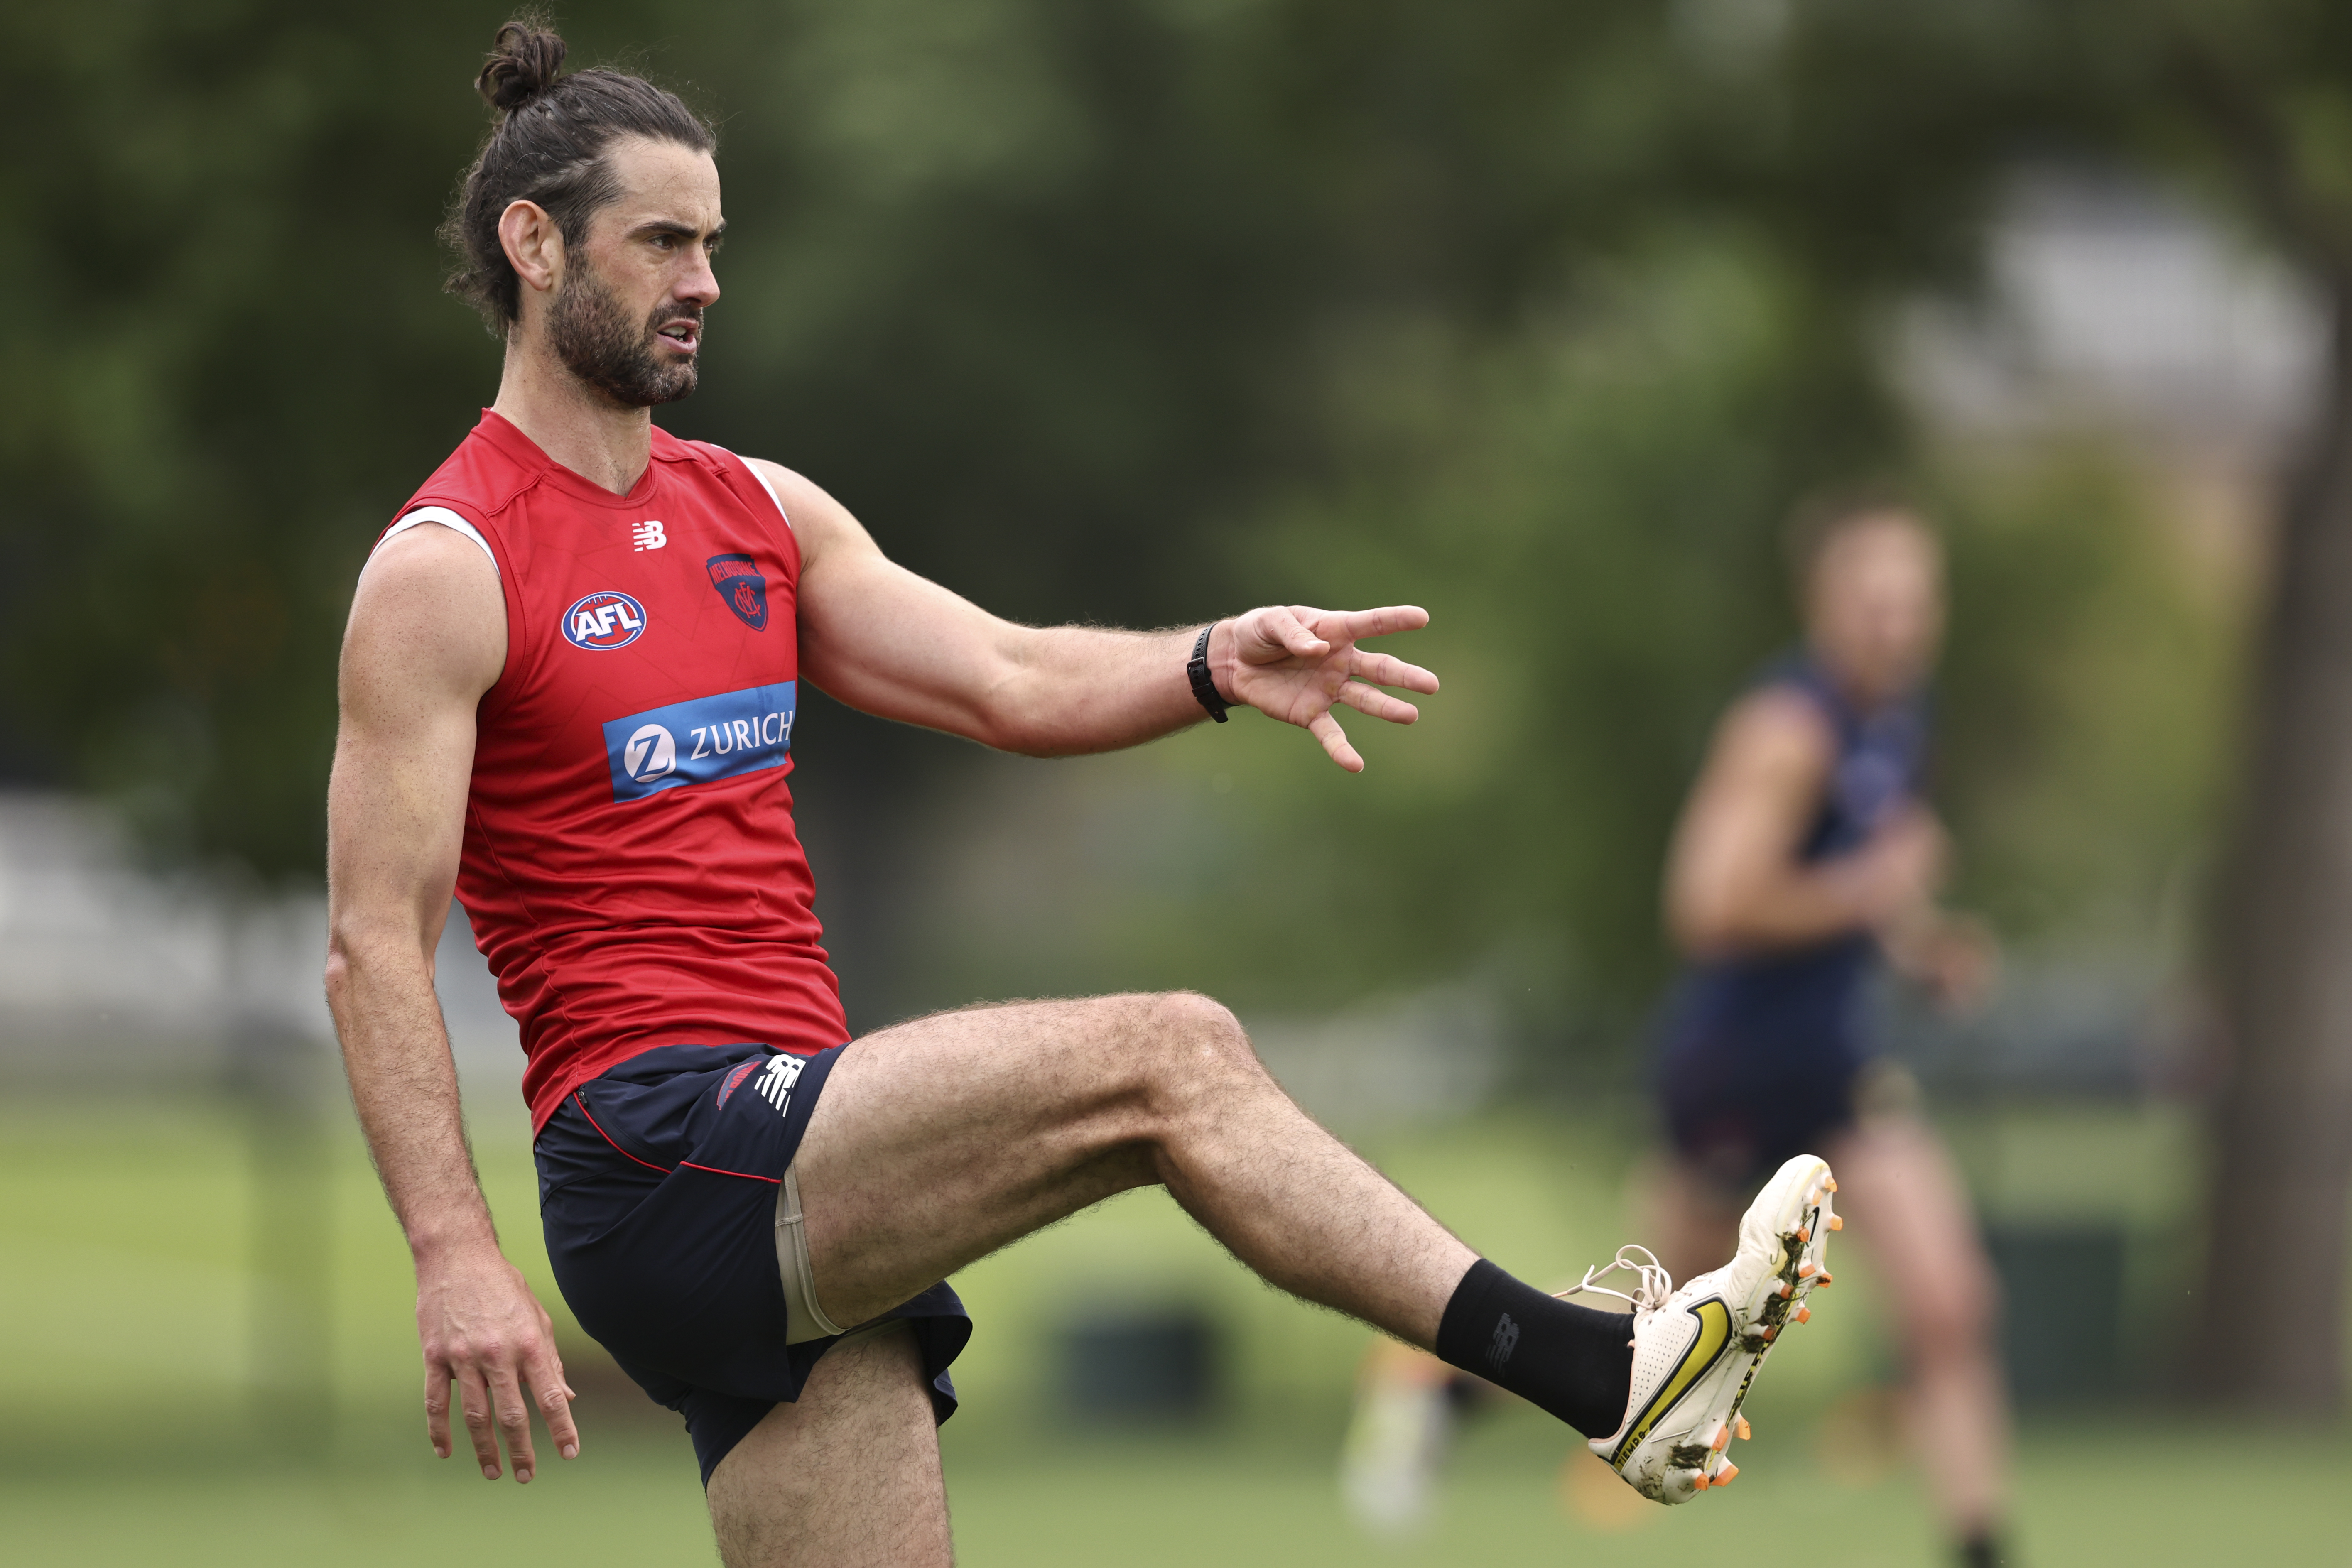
(765, 484)
(448, 519)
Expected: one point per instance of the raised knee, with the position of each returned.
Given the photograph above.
(1195, 1042)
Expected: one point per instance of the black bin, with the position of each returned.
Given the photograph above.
(1156, 1365)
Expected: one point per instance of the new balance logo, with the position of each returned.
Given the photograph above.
(649, 535)
(775, 1086)
(1507, 1340)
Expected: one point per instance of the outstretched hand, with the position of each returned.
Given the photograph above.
(1294, 662)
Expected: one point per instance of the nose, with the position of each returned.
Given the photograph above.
(700, 286)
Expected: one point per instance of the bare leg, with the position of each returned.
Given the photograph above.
(938, 1141)
(848, 1476)
(1897, 1184)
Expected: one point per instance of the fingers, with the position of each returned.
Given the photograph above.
(1383, 671)
(1274, 633)
(436, 1407)
(1354, 625)
(481, 1429)
(514, 1421)
(1326, 729)
(1374, 702)
(554, 1397)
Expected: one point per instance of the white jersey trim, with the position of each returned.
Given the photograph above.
(764, 485)
(448, 519)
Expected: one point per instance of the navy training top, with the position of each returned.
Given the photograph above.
(1798, 1011)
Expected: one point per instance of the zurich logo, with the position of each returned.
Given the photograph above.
(602, 621)
(648, 754)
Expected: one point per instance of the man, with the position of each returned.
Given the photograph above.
(568, 689)
(1806, 853)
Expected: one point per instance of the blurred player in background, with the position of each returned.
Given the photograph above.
(1806, 857)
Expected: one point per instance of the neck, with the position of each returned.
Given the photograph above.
(570, 420)
(1865, 695)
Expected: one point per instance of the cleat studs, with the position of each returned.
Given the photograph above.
(1805, 1270)
(1830, 1185)
(1699, 1481)
(1772, 1332)
(1744, 1433)
(1804, 1233)
(1804, 1314)
(1825, 1279)
(1784, 1290)
(1837, 1222)
(1723, 1477)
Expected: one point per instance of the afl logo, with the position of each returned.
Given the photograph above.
(604, 620)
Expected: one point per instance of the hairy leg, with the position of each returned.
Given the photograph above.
(940, 1140)
(1909, 1209)
(861, 1435)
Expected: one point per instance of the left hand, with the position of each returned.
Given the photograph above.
(1293, 663)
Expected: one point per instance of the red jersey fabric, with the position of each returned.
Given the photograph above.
(630, 866)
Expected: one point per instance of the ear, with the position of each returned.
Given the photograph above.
(533, 244)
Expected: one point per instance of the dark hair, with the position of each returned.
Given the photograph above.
(1821, 519)
(548, 145)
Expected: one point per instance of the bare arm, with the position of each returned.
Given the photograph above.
(1734, 882)
(427, 639)
(884, 640)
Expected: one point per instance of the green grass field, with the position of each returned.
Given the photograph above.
(136, 1397)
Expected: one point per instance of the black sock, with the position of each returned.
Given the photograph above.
(1572, 1361)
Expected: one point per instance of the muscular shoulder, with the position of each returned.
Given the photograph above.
(1776, 731)
(822, 525)
(428, 612)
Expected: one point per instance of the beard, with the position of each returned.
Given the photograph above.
(617, 357)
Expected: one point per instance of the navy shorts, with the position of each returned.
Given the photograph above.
(657, 1187)
(1738, 1128)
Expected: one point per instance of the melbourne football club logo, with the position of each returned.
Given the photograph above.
(604, 620)
(649, 754)
(737, 577)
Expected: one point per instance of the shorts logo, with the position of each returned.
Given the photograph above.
(775, 1086)
(700, 741)
(649, 754)
(604, 620)
(737, 580)
(734, 1079)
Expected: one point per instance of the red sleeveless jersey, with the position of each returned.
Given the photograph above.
(630, 865)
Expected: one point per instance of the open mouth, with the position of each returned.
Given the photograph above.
(683, 336)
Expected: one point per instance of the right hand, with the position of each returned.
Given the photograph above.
(486, 1335)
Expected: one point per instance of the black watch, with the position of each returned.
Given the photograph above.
(1196, 670)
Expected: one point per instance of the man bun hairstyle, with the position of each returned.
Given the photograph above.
(548, 145)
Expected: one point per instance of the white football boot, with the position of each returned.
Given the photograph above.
(1697, 1350)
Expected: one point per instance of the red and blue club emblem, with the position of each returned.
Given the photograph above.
(738, 582)
(604, 620)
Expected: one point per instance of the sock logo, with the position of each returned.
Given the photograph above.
(1507, 1340)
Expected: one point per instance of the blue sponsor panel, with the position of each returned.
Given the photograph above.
(695, 742)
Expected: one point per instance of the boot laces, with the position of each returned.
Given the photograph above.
(1652, 1285)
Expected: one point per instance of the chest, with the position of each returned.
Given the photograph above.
(655, 645)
